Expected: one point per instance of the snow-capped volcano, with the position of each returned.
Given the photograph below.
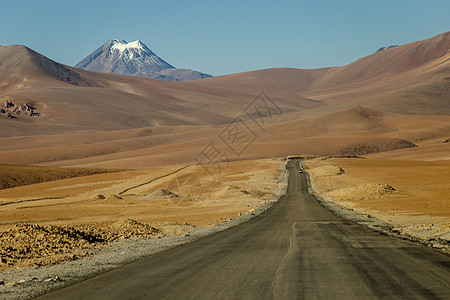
(135, 59)
(124, 47)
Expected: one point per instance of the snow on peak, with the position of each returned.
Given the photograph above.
(123, 45)
(129, 50)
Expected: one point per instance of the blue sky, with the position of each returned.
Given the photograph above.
(223, 37)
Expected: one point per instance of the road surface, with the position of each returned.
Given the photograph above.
(295, 250)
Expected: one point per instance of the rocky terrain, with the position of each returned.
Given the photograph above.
(387, 47)
(15, 110)
(376, 146)
(36, 245)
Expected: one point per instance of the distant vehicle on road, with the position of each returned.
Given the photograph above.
(300, 171)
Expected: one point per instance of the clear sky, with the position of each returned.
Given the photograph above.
(222, 37)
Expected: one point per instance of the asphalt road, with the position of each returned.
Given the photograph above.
(295, 250)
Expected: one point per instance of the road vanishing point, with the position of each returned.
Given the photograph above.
(295, 250)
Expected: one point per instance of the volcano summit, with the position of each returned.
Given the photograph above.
(134, 59)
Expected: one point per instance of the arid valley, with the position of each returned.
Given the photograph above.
(91, 161)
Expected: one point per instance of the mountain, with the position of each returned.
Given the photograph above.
(66, 116)
(134, 59)
(20, 63)
(413, 78)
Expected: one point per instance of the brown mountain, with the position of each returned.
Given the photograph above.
(19, 64)
(390, 99)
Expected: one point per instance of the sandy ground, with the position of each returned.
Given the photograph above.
(167, 206)
(178, 204)
(191, 195)
(96, 215)
(167, 198)
(410, 195)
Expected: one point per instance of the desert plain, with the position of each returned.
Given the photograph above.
(411, 194)
(100, 157)
(172, 199)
